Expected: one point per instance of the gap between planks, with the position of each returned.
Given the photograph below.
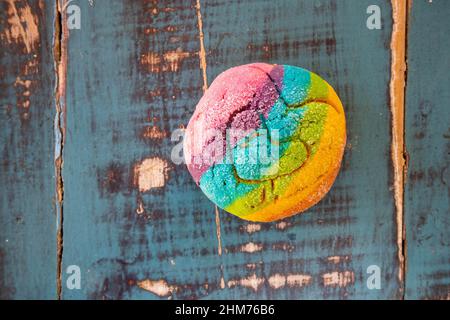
(397, 90)
(60, 65)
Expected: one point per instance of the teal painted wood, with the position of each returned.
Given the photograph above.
(355, 223)
(133, 77)
(27, 183)
(135, 222)
(427, 141)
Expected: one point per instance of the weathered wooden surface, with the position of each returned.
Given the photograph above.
(134, 221)
(133, 77)
(353, 227)
(427, 140)
(27, 182)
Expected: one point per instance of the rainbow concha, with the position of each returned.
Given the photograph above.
(266, 141)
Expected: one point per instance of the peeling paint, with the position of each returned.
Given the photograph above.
(167, 62)
(153, 30)
(252, 228)
(251, 247)
(338, 279)
(153, 133)
(158, 287)
(282, 225)
(175, 58)
(140, 207)
(151, 173)
(252, 282)
(338, 259)
(25, 83)
(283, 246)
(24, 87)
(278, 281)
(298, 280)
(22, 27)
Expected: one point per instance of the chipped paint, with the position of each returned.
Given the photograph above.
(155, 10)
(278, 281)
(298, 280)
(152, 61)
(252, 282)
(338, 259)
(338, 279)
(219, 240)
(283, 246)
(151, 173)
(24, 87)
(282, 225)
(140, 207)
(25, 83)
(252, 228)
(158, 287)
(251, 247)
(175, 58)
(397, 96)
(22, 27)
(153, 133)
(153, 30)
(169, 61)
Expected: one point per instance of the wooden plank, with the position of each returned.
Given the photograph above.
(130, 213)
(355, 225)
(27, 212)
(427, 141)
(135, 222)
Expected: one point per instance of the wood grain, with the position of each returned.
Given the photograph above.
(27, 212)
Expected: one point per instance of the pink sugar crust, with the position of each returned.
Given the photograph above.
(235, 100)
